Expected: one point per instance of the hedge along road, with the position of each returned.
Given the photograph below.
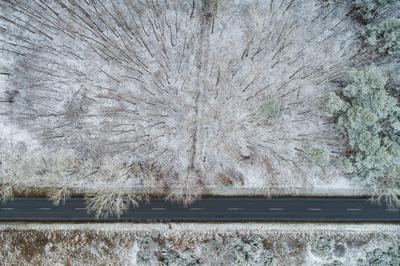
(210, 209)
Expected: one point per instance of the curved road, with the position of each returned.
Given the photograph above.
(210, 209)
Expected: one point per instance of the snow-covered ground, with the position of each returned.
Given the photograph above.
(200, 244)
(218, 98)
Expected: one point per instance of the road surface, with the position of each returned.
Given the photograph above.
(210, 209)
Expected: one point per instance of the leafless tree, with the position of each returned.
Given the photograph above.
(59, 195)
(104, 204)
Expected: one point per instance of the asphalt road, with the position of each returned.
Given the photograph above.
(210, 209)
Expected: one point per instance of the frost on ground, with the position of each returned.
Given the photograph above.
(183, 97)
(204, 244)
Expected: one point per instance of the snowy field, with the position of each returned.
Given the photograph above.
(177, 97)
(200, 244)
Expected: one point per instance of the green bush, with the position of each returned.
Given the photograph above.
(319, 156)
(385, 37)
(370, 121)
(269, 109)
(334, 104)
(322, 247)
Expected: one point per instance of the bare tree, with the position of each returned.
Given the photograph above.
(59, 195)
(6, 193)
(104, 204)
(387, 190)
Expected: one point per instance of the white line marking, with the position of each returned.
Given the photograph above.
(235, 209)
(43, 209)
(158, 209)
(353, 209)
(7, 209)
(314, 209)
(276, 209)
(80, 209)
(195, 209)
(392, 210)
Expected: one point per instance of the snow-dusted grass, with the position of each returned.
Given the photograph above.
(204, 244)
(264, 228)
